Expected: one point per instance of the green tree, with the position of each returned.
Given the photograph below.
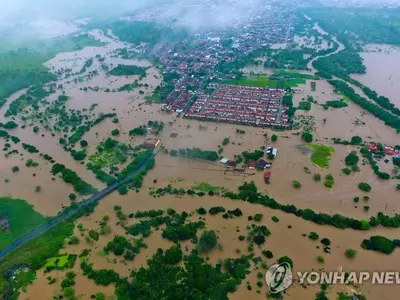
(307, 137)
(208, 240)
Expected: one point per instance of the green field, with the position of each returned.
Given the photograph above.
(264, 81)
(321, 155)
(37, 251)
(21, 217)
(22, 67)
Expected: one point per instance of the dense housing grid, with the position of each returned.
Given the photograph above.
(241, 105)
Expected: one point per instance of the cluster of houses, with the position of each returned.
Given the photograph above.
(242, 105)
(182, 93)
(260, 164)
(390, 151)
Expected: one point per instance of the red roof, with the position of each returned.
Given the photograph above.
(372, 147)
(390, 151)
(267, 174)
(252, 163)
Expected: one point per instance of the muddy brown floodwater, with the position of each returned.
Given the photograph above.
(290, 164)
(382, 75)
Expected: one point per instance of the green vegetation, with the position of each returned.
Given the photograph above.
(24, 67)
(36, 252)
(136, 32)
(126, 70)
(69, 176)
(208, 240)
(225, 141)
(307, 137)
(249, 192)
(379, 112)
(350, 253)
(20, 217)
(304, 105)
(335, 104)
(364, 187)
(329, 181)
(313, 236)
(296, 184)
(195, 153)
(10, 125)
(321, 155)
(380, 244)
(62, 262)
(274, 138)
(352, 159)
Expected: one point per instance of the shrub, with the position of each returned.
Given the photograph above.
(275, 219)
(94, 235)
(364, 187)
(317, 177)
(326, 242)
(10, 125)
(115, 132)
(313, 236)
(225, 141)
(307, 137)
(352, 159)
(258, 217)
(287, 260)
(80, 155)
(350, 253)
(38, 189)
(15, 169)
(320, 259)
(379, 243)
(83, 143)
(296, 184)
(274, 138)
(208, 240)
(346, 171)
(267, 254)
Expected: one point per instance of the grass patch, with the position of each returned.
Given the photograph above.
(206, 187)
(256, 81)
(321, 155)
(21, 217)
(37, 251)
(57, 261)
(24, 278)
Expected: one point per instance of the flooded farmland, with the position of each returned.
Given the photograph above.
(94, 93)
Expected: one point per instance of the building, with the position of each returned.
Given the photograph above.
(262, 164)
(151, 143)
(389, 151)
(252, 164)
(272, 151)
(267, 176)
(372, 147)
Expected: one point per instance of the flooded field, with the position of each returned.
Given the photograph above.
(280, 242)
(382, 74)
(293, 163)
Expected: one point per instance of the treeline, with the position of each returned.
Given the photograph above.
(380, 244)
(126, 70)
(249, 192)
(380, 100)
(341, 64)
(382, 114)
(69, 176)
(81, 130)
(196, 153)
(31, 98)
(169, 274)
